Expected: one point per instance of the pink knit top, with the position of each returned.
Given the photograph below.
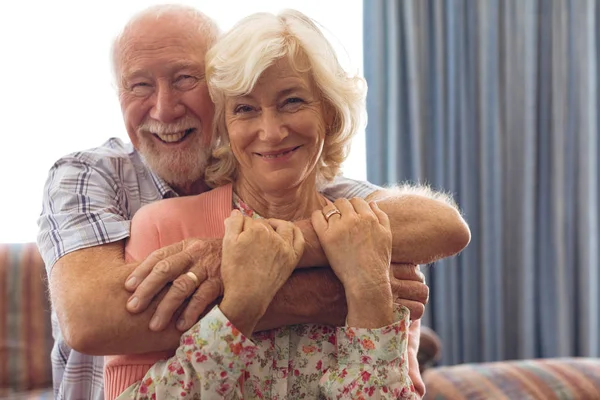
(153, 227)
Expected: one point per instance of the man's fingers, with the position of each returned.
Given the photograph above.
(179, 291)
(163, 272)
(410, 272)
(416, 308)
(410, 290)
(206, 294)
(143, 270)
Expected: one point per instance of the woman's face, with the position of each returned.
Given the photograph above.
(277, 131)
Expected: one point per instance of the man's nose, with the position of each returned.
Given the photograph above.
(167, 107)
(272, 128)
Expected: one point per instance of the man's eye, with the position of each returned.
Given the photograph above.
(141, 88)
(185, 82)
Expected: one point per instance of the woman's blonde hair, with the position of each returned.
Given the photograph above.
(238, 59)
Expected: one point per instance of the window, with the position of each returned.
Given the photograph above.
(57, 95)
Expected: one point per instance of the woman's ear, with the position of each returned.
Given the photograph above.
(329, 117)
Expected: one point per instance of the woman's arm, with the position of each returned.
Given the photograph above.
(372, 363)
(210, 360)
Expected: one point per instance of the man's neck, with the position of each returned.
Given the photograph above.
(195, 188)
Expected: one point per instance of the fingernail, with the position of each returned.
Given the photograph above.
(154, 323)
(131, 282)
(133, 302)
(235, 211)
(181, 324)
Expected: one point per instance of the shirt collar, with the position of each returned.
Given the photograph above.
(163, 187)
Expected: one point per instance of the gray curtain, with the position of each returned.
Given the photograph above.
(496, 102)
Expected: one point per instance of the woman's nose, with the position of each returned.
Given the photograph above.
(272, 128)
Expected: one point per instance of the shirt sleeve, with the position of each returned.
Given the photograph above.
(346, 188)
(372, 363)
(208, 364)
(82, 207)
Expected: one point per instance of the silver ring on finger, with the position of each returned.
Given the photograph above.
(331, 213)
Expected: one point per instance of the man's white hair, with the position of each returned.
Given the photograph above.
(206, 27)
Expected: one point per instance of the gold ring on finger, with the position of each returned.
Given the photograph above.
(193, 277)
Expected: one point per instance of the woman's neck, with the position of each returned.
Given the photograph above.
(291, 204)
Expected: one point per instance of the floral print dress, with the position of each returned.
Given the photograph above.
(309, 361)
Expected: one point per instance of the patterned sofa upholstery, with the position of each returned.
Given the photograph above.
(542, 379)
(25, 331)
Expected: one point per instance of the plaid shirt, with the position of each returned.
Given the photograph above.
(89, 199)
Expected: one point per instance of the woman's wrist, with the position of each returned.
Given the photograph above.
(370, 307)
(243, 313)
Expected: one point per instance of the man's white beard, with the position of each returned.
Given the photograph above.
(178, 169)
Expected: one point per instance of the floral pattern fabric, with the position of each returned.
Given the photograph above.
(215, 361)
(309, 361)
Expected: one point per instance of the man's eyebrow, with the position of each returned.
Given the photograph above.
(187, 65)
(177, 66)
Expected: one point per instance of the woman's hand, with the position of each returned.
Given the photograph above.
(358, 243)
(258, 258)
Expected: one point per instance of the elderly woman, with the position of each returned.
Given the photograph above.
(285, 115)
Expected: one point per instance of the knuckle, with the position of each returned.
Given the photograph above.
(417, 311)
(163, 268)
(181, 287)
(159, 254)
(340, 201)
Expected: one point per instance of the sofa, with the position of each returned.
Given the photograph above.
(25, 330)
(26, 342)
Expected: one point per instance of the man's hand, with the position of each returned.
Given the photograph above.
(169, 264)
(409, 288)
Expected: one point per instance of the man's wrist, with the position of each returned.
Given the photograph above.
(313, 255)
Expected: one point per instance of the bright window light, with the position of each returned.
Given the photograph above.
(57, 95)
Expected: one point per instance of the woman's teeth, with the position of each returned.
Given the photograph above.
(278, 155)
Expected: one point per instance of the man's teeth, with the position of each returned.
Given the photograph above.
(171, 137)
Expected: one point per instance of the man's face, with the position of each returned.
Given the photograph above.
(164, 98)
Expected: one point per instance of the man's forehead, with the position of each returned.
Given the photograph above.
(163, 51)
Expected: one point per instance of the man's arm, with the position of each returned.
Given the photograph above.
(426, 226)
(86, 288)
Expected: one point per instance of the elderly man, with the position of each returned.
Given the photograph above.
(91, 196)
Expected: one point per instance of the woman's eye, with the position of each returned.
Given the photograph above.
(292, 103)
(241, 109)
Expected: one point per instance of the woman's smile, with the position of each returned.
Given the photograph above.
(281, 155)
